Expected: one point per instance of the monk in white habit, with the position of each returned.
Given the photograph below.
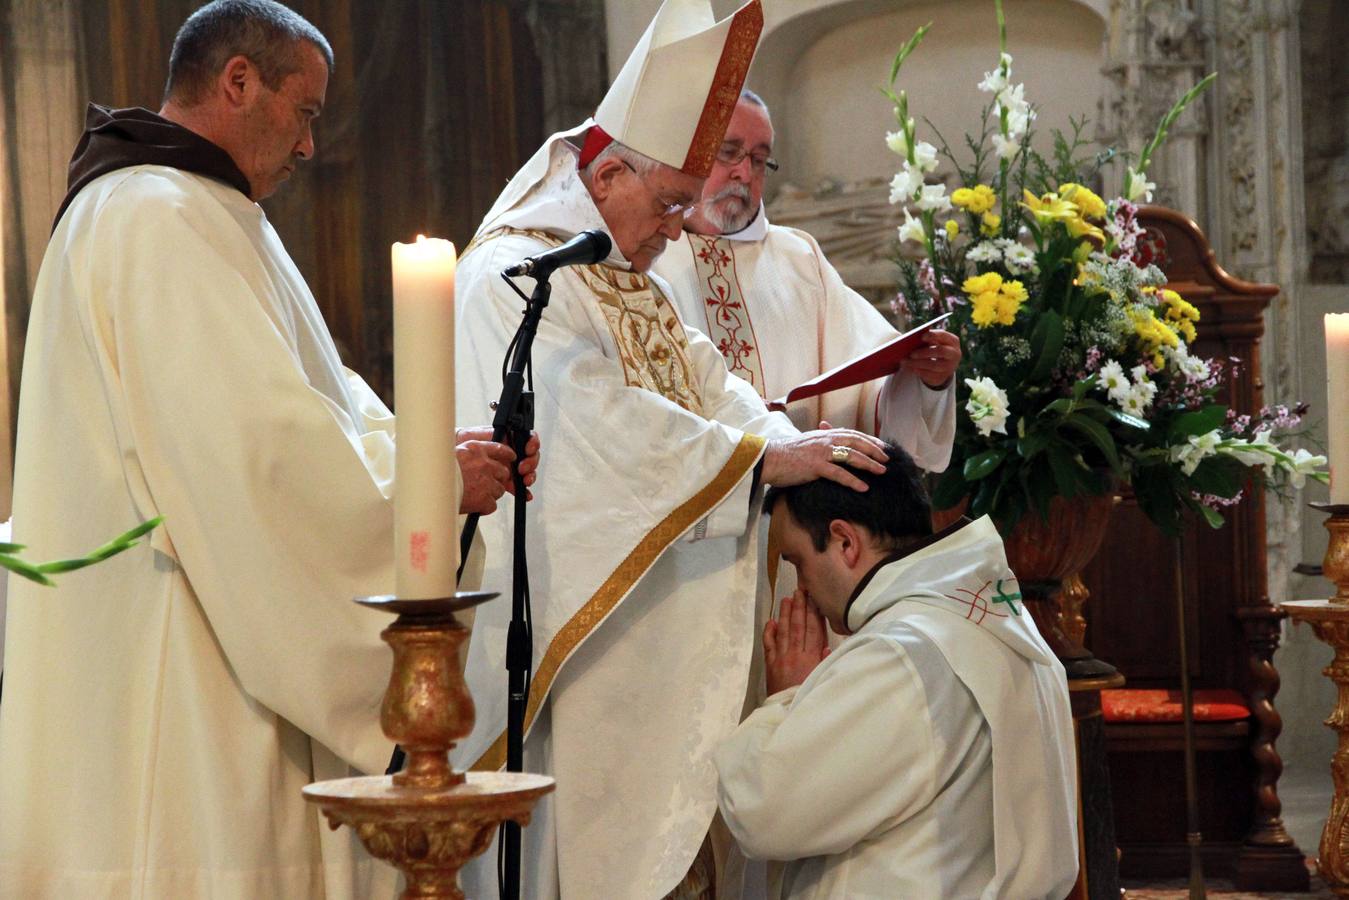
(643, 549)
(781, 314)
(162, 711)
(930, 754)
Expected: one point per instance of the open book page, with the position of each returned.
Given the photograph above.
(878, 363)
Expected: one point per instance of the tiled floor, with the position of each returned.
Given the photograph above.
(1306, 800)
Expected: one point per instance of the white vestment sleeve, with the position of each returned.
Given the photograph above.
(850, 753)
(918, 418)
(275, 500)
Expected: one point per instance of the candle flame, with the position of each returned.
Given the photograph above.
(421, 239)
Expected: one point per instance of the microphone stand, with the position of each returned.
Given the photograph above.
(513, 423)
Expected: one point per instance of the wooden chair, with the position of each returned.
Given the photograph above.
(1232, 630)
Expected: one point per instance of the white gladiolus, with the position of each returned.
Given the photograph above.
(1195, 450)
(897, 143)
(1302, 464)
(933, 198)
(925, 156)
(905, 184)
(912, 229)
(1006, 147)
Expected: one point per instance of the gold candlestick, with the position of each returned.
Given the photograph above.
(1330, 620)
(428, 820)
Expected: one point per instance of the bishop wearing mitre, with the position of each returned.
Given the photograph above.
(642, 540)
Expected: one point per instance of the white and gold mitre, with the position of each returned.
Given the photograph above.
(674, 96)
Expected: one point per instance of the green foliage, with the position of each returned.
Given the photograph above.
(38, 572)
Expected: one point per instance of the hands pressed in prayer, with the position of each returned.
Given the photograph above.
(935, 362)
(823, 454)
(794, 643)
(486, 469)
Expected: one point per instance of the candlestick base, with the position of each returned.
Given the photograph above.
(1336, 564)
(428, 820)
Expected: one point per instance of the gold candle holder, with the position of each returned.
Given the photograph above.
(428, 820)
(1336, 564)
(1330, 620)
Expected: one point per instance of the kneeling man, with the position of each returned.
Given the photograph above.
(931, 753)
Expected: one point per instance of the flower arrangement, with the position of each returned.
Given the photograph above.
(1077, 372)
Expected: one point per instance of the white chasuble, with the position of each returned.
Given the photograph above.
(163, 710)
(780, 314)
(642, 554)
(929, 755)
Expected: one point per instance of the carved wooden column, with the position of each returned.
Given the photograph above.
(1270, 856)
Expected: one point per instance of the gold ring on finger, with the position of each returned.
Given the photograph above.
(839, 454)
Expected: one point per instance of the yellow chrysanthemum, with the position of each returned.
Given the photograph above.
(984, 309)
(978, 199)
(952, 229)
(1154, 335)
(1009, 301)
(1049, 207)
(990, 224)
(989, 282)
(1181, 315)
(1091, 205)
(1015, 290)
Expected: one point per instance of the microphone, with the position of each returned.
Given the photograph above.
(587, 248)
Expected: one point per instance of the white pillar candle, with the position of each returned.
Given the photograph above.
(426, 500)
(1337, 404)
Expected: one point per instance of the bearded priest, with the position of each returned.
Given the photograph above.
(781, 314)
(643, 553)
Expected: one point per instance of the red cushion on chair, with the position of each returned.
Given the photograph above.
(1223, 705)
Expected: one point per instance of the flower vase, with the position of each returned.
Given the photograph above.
(1047, 556)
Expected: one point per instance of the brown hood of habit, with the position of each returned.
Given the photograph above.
(117, 138)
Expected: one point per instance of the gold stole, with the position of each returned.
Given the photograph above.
(651, 341)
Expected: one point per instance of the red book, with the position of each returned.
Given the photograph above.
(882, 361)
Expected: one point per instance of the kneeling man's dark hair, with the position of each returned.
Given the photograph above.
(895, 509)
(265, 32)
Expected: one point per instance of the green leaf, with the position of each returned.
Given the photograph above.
(1081, 387)
(951, 488)
(26, 569)
(1201, 421)
(976, 467)
(1221, 476)
(1099, 436)
(1034, 442)
(1046, 342)
(904, 52)
(1157, 489)
(11, 548)
(1061, 465)
(1212, 516)
(1125, 419)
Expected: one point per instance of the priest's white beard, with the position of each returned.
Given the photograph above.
(729, 210)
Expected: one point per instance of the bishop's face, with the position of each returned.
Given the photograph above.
(642, 212)
(733, 190)
(277, 127)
